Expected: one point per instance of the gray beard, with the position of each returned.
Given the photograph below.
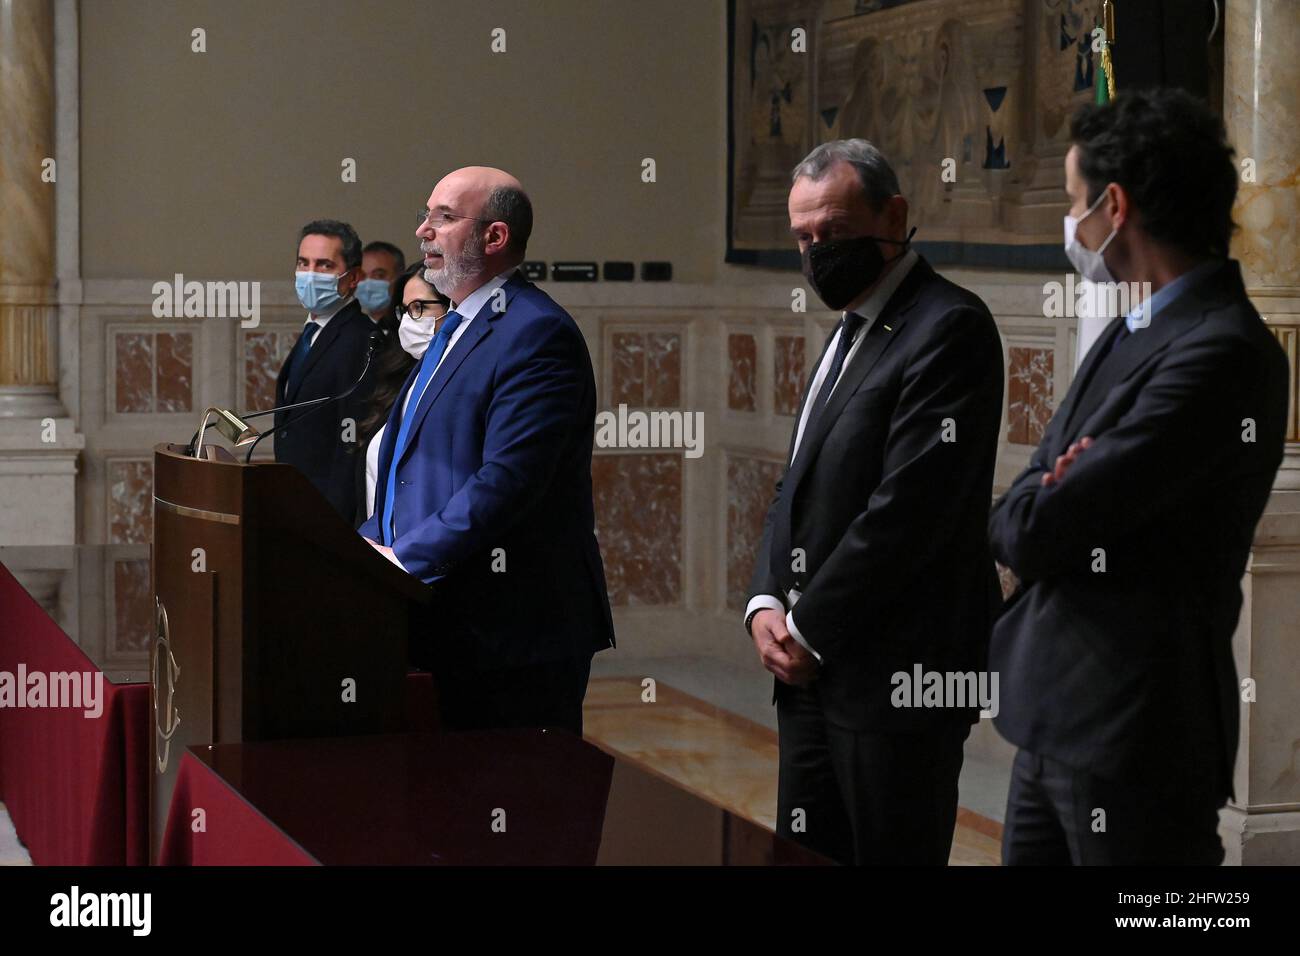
(456, 272)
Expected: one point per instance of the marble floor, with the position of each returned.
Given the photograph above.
(723, 756)
(747, 692)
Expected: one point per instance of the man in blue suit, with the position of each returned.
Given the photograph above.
(484, 485)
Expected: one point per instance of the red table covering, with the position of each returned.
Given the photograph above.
(395, 799)
(234, 833)
(521, 797)
(75, 787)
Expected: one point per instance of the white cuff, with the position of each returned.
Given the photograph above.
(760, 601)
(391, 555)
(794, 632)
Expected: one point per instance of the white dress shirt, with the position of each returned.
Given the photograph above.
(372, 468)
(869, 306)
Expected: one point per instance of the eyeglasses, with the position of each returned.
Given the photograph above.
(417, 307)
(440, 220)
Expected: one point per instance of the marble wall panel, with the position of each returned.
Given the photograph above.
(638, 500)
(1029, 394)
(130, 502)
(750, 486)
(742, 381)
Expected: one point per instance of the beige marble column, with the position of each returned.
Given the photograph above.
(28, 315)
(1261, 99)
(38, 440)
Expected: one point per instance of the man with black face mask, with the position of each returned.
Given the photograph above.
(874, 568)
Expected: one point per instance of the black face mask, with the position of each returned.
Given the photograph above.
(839, 269)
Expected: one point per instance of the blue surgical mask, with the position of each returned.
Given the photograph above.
(373, 294)
(317, 291)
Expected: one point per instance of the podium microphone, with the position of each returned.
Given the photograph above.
(376, 337)
(372, 345)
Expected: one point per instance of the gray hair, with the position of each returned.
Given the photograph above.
(878, 180)
(511, 206)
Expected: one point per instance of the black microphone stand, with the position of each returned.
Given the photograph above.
(376, 337)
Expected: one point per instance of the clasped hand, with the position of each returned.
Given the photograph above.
(779, 651)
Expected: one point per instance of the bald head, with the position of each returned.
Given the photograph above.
(487, 174)
(473, 184)
(488, 219)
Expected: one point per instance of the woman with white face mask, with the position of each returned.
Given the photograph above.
(419, 307)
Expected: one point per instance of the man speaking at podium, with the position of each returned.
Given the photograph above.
(484, 486)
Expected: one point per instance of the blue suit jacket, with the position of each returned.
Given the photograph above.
(493, 499)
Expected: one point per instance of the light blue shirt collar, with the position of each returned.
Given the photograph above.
(1146, 311)
(469, 307)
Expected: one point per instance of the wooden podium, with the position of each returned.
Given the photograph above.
(273, 618)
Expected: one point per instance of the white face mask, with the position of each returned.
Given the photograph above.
(1089, 264)
(414, 334)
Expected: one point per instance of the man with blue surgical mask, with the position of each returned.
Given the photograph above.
(381, 264)
(325, 361)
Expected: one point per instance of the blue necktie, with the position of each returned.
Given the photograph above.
(298, 357)
(428, 365)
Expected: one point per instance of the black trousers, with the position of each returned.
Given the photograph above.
(866, 798)
(1058, 816)
(542, 695)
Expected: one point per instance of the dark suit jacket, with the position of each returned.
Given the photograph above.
(1129, 671)
(891, 516)
(499, 457)
(315, 445)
